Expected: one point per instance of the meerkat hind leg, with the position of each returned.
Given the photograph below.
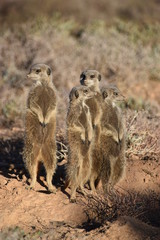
(92, 184)
(73, 192)
(33, 175)
(32, 166)
(49, 164)
(83, 190)
(51, 188)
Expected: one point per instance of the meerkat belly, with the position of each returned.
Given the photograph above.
(44, 101)
(39, 157)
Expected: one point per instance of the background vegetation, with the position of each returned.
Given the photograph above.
(120, 39)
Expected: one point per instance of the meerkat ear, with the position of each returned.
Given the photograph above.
(48, 71)
(82, 76)
(76, 94)
(99, 77)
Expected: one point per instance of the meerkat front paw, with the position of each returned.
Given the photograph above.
(40, 118)
(116, 139)
(83, 138)
(90, 138)
(43, 124)
(119, 145)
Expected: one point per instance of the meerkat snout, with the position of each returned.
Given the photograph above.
(90, 78)
(40, 72)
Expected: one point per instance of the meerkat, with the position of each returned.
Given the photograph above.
(114, 161)
(108, 159)
(79, 134)
(40, 125)
(112, 121)
(91, 79)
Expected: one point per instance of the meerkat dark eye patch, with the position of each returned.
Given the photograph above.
(115, 93)
(105, 94)
(48, 71)
(99, 77)
(76, 94)
(92, 76)
(85, 91)
(38, 71)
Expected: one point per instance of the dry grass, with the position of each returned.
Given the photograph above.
(143, 136)
(111, 50)
(102, 209)
(83, 11)
(69, 50)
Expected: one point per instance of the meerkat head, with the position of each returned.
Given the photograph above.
(80, 93)
(91, 79)
(112, 93)
(40, 72)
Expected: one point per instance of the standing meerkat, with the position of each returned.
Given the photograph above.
(116, 151)
(79, 134)
(112, 121)
(108, 159)
(40, 125)
(91, 79)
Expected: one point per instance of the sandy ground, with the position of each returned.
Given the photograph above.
(38, 210)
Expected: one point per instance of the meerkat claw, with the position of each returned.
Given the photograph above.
(43, 124)
(52, 190)
(72, 200)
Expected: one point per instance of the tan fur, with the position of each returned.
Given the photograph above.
(108, 159)
(112, 122)
(91, 79)
(79, 134)
(40, 125)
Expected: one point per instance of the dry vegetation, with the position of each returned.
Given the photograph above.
(125, 52)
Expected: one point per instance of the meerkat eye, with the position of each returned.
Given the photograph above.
(85, 91)
(115, 93)
(92, 76)
(38, 71)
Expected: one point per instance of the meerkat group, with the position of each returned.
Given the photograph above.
(95, 132)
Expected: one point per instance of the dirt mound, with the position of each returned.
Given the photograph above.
(41, 215)
(130, 228)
